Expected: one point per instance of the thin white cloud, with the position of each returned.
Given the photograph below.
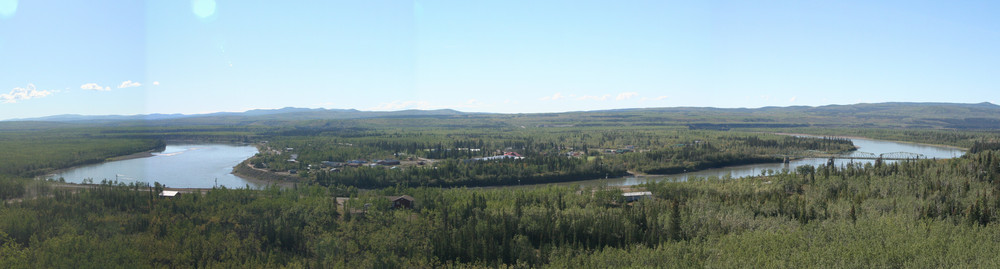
(554, 97)
(469, 104)
(156, 83)
(94, 87)
(626, 95)
(594, 97)
(129, 84)
(658, 98)
(400, 105)
(18, 94)
(424, 105)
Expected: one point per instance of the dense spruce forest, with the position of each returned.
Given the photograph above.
(550, 154)
(939, 213)
(911, 213)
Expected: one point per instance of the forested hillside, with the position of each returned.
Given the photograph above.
(919, 213)
(895, 115)
(338, 212)
(552, 154)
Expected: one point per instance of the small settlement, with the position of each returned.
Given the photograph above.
(404, 163)
(506, 155)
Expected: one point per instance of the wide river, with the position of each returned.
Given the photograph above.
(178, 166)
(864, 145)
(208, 165)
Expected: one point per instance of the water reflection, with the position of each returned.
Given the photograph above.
(180, 166)
(864, 145)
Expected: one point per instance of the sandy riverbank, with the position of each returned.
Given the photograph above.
(263, 177)
(137, 155)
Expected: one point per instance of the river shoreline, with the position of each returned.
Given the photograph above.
(875, 139)
(141, 167)
(137, 155)
(254, 177)
(261, 177)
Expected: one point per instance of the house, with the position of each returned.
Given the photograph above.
(388, 162)
(332, 164)
(169, 193)
(356, 163)
(498, 157)
(404, 201)
(506, 155)
(635, 196)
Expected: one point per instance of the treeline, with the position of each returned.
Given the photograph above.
(644, 149)
(980, 146)
(798, 143)
(727, 126)
(547, 154)
(32, 154)
(957, 138)
(456, 173)
(727, 151)
(923, 213)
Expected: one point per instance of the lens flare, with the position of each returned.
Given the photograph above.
(8, 8)
(203, 8)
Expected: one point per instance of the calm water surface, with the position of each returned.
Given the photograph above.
(864, 145)
(200, 165)
(178, 166)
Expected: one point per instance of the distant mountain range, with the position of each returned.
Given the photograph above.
(288, 113)
(906, 115)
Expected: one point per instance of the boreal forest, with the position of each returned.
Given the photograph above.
(430, 189)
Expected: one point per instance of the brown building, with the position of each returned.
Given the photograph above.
(404, 201)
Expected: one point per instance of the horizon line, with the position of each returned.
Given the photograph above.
(469, 112)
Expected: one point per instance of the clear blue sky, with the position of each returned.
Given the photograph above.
(138, 57)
